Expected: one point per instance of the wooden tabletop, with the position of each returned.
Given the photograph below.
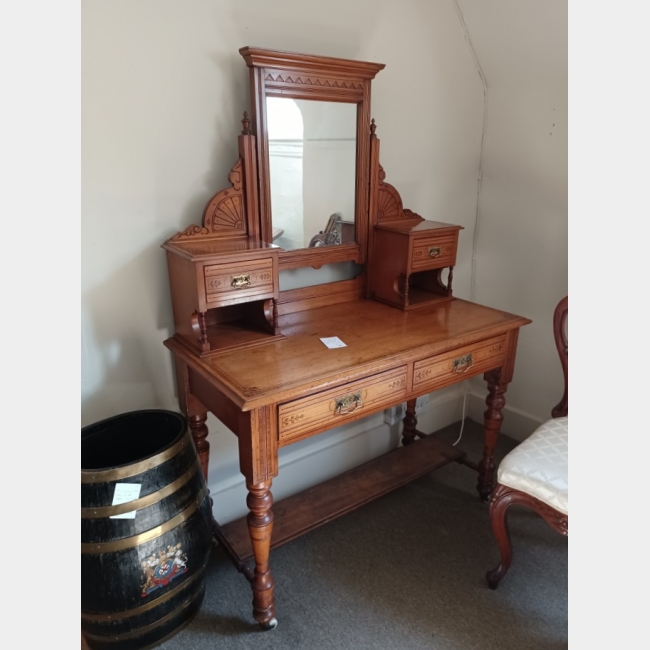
(377, 337)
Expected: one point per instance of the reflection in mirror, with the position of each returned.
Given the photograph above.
(312, 156)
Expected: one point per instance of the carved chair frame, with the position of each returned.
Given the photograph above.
(503, 496)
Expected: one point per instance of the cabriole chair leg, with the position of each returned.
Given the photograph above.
(501, 500)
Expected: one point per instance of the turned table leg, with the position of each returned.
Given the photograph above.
(260, 527)
(197, 420)
(493, 417)
(199, 431)
(409, 424)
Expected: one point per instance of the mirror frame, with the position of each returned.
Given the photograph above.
(299, 76)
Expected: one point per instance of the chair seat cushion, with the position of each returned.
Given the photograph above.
(539, 466)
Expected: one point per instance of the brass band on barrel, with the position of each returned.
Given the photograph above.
(107, 475)
(96, 548)
(138, 504)
(146, 628)
(118, 616)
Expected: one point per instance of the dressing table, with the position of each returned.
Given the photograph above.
(308, 190)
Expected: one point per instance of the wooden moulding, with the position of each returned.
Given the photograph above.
(342, 494)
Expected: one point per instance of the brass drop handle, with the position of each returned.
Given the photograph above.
(239, 281)
(348, 404)
(435, 251)
(464, 363)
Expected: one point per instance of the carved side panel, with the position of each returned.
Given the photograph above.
(389, 202)
(224, 214)
(225, 211)
(385, 199)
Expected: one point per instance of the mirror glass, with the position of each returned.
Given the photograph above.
(312, 156)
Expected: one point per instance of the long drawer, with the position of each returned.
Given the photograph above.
(239, 279)
(331, 408)
(448, 368)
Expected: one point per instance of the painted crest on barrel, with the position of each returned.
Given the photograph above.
(162, 567)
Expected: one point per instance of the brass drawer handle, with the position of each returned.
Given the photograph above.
(348, 404)
(435, 251)
(239, 281)
(464, 363)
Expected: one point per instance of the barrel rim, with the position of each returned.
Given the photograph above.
(100, 474)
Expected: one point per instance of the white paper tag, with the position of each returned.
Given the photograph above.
(333, 342)
(125, 492)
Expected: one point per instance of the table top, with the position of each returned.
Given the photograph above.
(377, 337)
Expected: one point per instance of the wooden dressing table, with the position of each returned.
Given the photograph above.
(253, 356)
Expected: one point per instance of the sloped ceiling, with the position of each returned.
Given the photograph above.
(520, 256)
(518, 41)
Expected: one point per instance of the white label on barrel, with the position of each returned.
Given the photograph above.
(125, 492)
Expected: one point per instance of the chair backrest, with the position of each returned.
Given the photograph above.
(562, 343)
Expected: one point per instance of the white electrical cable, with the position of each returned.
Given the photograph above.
(462, 421)
(472, 290)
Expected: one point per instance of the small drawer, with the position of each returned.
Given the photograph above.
(448, 368)
(434, 252)
(316, 413)
(238, 278)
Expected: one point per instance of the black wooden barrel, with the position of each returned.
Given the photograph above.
(142, 578)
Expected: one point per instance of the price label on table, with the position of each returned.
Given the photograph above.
(333, 342)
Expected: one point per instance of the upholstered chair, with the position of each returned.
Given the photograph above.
(535, 474)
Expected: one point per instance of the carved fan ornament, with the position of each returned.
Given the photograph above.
(389, 202)
(224, 213)
(389, 205)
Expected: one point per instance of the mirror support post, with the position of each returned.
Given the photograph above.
(248, 154)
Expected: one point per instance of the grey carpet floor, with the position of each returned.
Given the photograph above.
(405, 572)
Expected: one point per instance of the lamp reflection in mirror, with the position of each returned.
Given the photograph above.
(312, 159)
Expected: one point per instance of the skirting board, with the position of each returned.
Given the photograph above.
(322, 457)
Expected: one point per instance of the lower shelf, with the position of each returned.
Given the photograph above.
(331, 499)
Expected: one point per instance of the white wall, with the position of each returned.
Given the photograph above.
(522, 244)
(163, 90)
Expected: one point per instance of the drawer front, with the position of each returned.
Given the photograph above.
(448, 368)
(334, 407)
(434, 252)
(239, 279)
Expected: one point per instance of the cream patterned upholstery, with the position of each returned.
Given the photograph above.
(539, 466)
